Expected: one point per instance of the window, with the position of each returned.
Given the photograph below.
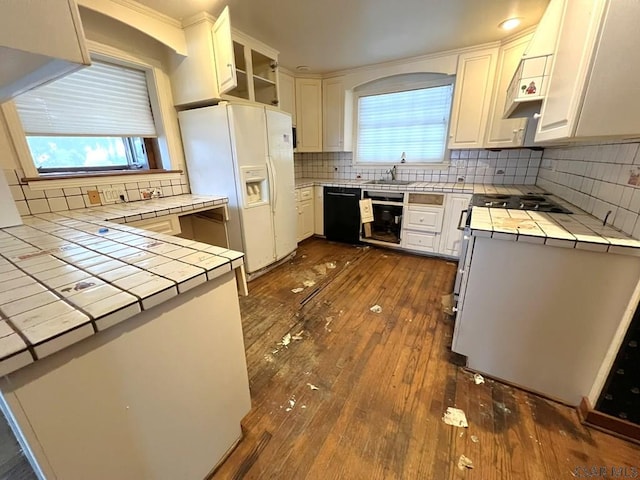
(98, 118)
(403, 119)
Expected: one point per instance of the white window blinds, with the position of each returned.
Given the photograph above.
(413, 122)
(100, 100)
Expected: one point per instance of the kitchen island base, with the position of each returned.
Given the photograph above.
(542, 317)
(159, 396)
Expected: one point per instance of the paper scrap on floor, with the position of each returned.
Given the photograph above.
(478, 378)
(464, 462)
(297, 290)
(456, 417)
(376, 309)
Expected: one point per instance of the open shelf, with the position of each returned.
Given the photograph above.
(260, 82)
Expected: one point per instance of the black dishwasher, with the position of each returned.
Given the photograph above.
(342, 214)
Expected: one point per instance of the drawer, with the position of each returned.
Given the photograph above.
(305, 193)
(169, 225)
(426, 198)
(425, 242)
(425, 219)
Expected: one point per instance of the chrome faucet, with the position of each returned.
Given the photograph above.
(392, 171)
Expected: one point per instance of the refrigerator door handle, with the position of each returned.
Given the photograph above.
(273, 179)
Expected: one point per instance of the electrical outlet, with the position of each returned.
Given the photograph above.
(94, 197)
(113, 195)
(150, 193)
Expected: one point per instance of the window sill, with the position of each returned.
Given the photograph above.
(62, 180)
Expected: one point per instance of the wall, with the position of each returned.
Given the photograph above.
(596, 179)
(113, 33)
(515, 166)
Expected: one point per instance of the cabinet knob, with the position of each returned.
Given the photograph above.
(536, 116)
(229, 65)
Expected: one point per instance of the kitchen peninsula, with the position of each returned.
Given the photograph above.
(121, 350)
(545, 299)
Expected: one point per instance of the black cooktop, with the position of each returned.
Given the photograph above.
(533, 201)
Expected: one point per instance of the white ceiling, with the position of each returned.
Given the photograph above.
(330, 35)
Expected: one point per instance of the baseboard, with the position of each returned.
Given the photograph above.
(607, 423)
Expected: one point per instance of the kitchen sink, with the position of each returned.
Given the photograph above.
(389, 182)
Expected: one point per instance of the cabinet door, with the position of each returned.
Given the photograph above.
(309, 114)
(333, 115)
(287, 97)
(318, 210)
(300, 225)
(451, 236)
(223, 52)
(471, 98)
(307, 218)
(608, 109)
(571, 63)
(506, 132)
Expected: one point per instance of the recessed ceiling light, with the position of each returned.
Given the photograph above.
(303, 68)
(509, 24)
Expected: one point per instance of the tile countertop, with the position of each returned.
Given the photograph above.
(66, 276)
(578, 230)
(145, 209)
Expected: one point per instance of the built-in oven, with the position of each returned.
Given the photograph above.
(387, 217)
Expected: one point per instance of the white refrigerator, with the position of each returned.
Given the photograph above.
(246, 153)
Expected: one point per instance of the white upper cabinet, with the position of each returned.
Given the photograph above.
(336, 127)
(193, 78)
(225, 64)
(222, 63)
(508, 132)
(287, 87)
(309, 114)
(472, 98)
(39, 42)
(595, 71)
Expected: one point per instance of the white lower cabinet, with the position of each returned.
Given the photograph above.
(422, 222)
(304, 206)
(430, 222)
(455, 210)
(318, 210)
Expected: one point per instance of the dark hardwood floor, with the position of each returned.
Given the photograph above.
(384, 381)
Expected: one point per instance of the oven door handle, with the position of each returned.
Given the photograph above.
(462, 212)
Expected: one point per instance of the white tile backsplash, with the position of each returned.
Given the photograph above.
(468, 166)
(596, 178)
(30, 201)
